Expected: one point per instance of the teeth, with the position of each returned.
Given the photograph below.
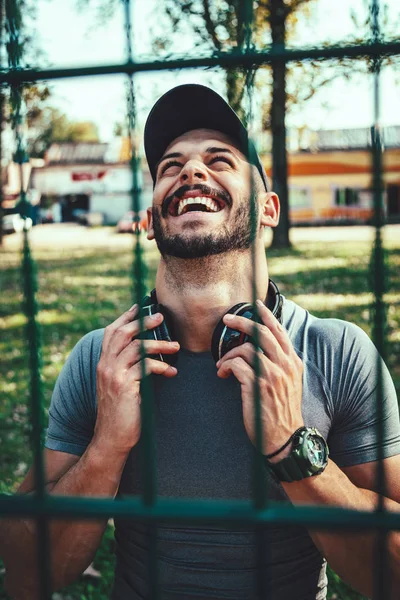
(209, 202)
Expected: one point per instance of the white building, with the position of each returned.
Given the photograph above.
(89, 177)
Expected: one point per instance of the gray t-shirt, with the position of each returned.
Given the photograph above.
(203, 451)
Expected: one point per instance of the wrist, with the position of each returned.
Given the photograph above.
(281, 455)
(105, 466)
(105, 452)
(308, 456)
(278, 452)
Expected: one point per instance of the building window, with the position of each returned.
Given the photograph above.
(353, 197)
(299, 197)
(347, 197)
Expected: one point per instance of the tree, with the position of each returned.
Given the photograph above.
(120, 129)
(50, 125)
(221, 26)
(17, 45)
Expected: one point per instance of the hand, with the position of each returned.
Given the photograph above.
(119, 372)
(280, 378)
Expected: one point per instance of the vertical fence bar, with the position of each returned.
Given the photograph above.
(259, 487)
(381, 589)
(14, 25)
(138, 293)
(259, 491)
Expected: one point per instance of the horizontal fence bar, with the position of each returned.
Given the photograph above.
(217, 59)
(202, 510)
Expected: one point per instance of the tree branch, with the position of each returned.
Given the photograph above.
(294, 5)
(210, 25)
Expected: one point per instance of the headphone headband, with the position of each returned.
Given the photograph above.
(224, 338)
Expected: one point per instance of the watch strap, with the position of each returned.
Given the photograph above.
(296, 466)
(292, 468)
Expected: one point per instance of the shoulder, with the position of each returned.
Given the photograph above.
(76, 383)
(85, 355)
(89, 346)
(343, 354)
(72, 412)
(315, 336)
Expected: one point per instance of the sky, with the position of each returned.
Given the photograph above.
(70, 35)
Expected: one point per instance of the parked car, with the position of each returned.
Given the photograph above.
(14, 223)
(45, 215)
(94, 219)
(80, 216)
(129, 224)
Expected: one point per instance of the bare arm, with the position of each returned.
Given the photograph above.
(73, 543)
(98, 472)
(350, 554)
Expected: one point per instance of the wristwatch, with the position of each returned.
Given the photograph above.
(308, 457)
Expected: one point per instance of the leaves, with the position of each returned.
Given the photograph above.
(50, 125)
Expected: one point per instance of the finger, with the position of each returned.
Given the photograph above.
(272, 323)
(124, 319)
(263, 336)
(150, 366)
(254, 358)
(122, 336)
(239, 368)
(135, 350)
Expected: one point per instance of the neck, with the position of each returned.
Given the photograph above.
(198, 292)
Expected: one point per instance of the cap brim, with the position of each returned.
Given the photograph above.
(187, 107)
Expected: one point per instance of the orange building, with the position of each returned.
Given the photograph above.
(331, 180)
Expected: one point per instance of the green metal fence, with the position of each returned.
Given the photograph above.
(149, 507)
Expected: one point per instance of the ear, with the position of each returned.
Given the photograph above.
(270, 209)
(150, 230)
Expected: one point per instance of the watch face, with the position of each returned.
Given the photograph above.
(316, 451)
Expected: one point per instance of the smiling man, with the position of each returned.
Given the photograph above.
(318, 394)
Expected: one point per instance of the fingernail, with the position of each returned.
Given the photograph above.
(229, 317)
(260, 303)
(156, 316)
(173, 369)
(133, 307)
(218, 363)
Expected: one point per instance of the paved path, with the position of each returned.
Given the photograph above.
(68, 235)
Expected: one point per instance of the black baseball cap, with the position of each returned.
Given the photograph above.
(193, 106)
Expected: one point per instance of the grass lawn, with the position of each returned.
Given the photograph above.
(85, 288)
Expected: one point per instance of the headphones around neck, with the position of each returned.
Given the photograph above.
(224, 338)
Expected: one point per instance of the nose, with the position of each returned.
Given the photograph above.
(193, 171)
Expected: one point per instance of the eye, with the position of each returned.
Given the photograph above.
(220, 159)
(169, 166)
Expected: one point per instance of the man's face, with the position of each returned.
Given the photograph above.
(201, 202)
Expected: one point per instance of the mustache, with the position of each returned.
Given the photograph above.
(204, 189)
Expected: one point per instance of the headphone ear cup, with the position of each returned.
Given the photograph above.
(161, 332)
(225, 338)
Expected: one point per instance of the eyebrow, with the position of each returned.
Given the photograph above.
(216, 149)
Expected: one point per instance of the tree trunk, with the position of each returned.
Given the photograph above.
(278, 110)
(1, 167)
(2, 7)
(235, 82)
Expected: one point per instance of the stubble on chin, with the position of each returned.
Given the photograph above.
(234, 236)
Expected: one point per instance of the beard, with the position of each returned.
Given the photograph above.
(238, 235)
